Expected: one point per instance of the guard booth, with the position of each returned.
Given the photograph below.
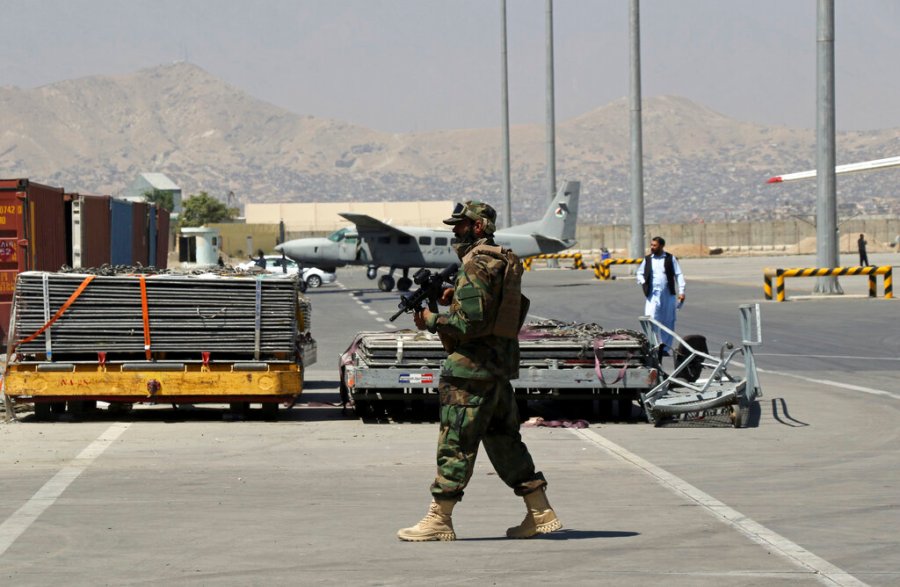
(199, 246)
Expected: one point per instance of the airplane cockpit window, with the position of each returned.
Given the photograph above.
(337, 235)
(440, 241)
(404, 240)
(424, 240)
(350, 238)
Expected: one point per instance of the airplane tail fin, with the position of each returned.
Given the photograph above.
(560, 218)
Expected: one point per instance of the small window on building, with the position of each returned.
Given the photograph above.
(214, 241)
(424, 240)
(440, 241)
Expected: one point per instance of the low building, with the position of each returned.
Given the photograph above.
(150, 182)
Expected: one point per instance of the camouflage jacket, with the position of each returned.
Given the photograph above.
(476, 353)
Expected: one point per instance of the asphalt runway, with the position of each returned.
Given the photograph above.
(808, 494)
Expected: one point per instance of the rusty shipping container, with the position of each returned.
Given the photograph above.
(90, 230)
(162, 238)
(34, 235)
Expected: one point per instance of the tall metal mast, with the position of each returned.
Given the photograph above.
(504, 111)
(826, 192)
(637, 149)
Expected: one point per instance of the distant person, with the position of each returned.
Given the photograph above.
(663, 282)
(260, 260)
(604, 254)
(863, 257)
(220, 261)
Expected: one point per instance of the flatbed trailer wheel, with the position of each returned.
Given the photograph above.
(270, 411)
(42, 411)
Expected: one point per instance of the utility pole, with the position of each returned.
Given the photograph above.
(504, 110)
(637, 149)
(826, 185)
(551, 109)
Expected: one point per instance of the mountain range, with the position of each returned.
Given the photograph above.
(95, 134)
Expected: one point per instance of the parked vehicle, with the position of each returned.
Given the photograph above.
(312, 276)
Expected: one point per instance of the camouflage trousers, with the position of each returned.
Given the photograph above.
(477, 411)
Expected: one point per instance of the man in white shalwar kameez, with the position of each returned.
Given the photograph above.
(663, 282)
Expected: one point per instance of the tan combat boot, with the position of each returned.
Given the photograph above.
(540, 519)
(436, 525)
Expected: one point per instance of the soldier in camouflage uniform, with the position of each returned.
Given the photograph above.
(480, 333)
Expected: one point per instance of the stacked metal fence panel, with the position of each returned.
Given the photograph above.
(229, 317)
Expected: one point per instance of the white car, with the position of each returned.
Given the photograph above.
(312, 276)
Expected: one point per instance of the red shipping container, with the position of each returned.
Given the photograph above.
(162, 238)
(90, 230)
(33, 235)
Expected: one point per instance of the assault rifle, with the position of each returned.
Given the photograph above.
(431, 287)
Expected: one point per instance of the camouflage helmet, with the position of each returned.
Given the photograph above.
(474, 210)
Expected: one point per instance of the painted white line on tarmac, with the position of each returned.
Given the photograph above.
(824, 571)
(827, 357)
(849, 386)
(21, 519)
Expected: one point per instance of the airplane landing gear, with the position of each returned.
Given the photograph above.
(372, 272)
(386, 283)
(404, 283)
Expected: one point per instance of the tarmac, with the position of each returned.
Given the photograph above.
(808, 494)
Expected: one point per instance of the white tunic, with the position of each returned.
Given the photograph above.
(661, 304)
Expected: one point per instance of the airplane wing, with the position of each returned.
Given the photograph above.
(366, 223)
(849, 168)
(547, 243)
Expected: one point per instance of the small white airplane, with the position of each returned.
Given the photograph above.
(849, 168)
(377, 244)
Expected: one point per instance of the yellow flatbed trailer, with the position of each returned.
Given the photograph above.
(166, 339)
(52, 386)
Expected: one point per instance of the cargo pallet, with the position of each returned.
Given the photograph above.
(382, 373)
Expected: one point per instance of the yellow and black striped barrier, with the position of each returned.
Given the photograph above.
(779, 274)
(577, 258)
(601, 269)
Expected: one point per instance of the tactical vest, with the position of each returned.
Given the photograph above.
(513, 305)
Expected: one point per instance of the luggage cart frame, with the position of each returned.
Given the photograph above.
(677, 395)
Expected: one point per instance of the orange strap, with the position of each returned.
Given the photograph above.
(146, 312)
(59, 312)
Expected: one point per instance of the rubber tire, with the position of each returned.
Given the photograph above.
(270, 411)
(386, 283)
(314, 281)
(42, 411)
(372, 272)
(404, 283)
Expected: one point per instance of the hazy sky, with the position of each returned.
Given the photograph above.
(402, 65)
